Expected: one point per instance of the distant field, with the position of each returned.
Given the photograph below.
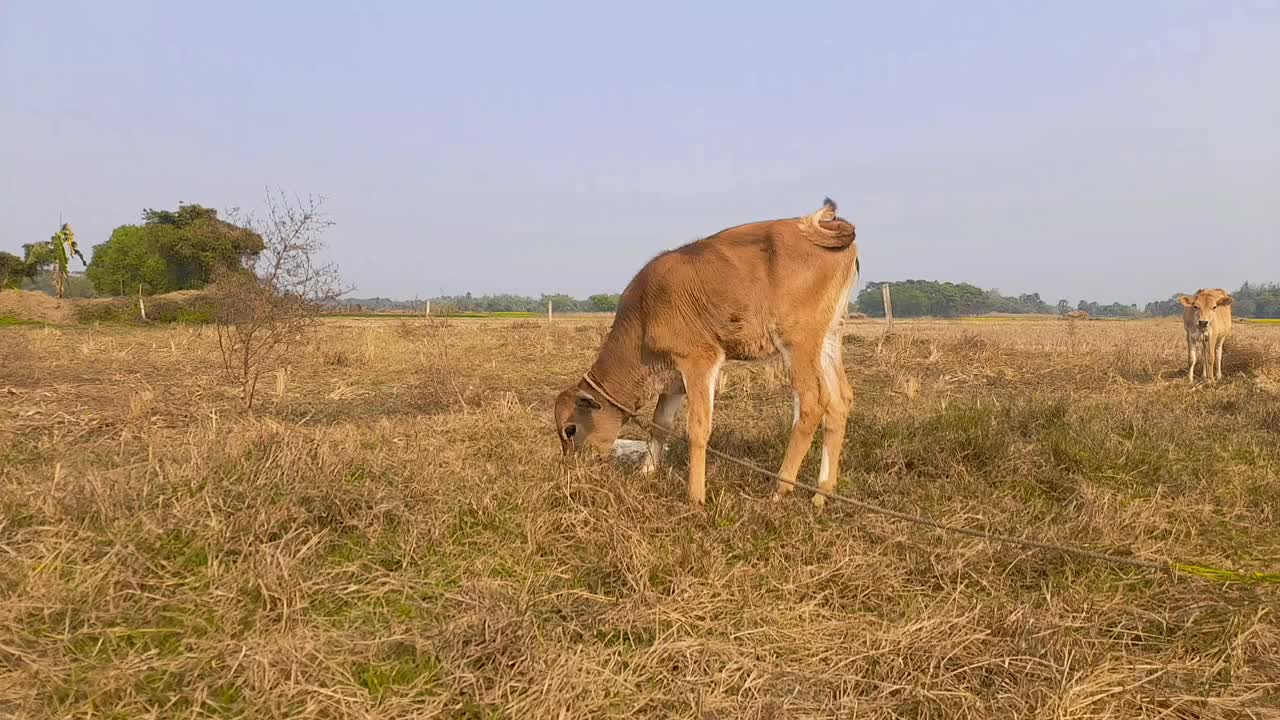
(391, 533)
(439, 315)
(491, 315)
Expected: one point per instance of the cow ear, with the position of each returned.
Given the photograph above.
(1226, 300)
(585, 401)
(1186, 300)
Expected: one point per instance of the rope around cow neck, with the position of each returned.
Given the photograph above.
(1165, 565)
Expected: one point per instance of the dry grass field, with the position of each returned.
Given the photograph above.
(391, 534)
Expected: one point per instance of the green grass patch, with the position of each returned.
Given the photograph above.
(11, 321)
(400, 667)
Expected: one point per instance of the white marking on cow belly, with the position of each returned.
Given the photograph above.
(831, 344)
(664, 417)
(782, 350)
(786, 363)
(831, 362)
(842, 301)
(714, 379)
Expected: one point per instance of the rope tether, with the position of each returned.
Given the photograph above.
(1163, 565)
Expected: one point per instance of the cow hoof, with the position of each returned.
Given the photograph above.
(819, 502)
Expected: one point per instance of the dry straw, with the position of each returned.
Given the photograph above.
(1197, 570)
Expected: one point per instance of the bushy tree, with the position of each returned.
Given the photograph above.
(1114, 310)
(1258, 301)
(129, 259)
(172, 250)
(12, 270)
(604, 302)
(916, 298)
(1164, 308)
(561, 303)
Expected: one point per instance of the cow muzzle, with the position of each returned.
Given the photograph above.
(1204, 324)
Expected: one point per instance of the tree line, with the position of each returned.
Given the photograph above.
(929, 298)
(189, 247)
(1254, 301)
(911, 298)
(499, 303)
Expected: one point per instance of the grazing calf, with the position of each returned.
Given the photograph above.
(1206, 316)
(750, 292)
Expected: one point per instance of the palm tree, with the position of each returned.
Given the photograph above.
(56, 252)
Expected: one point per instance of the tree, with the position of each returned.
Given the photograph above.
(12, 270)
(172, 250)
(561, 302)
(262, 313)
(1257, 301)
(52, 255)
(1164, 308)
(916, 298)
(131, 258)
(604, 303)
(1064, 307)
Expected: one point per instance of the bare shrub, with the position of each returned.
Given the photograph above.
(263, 312)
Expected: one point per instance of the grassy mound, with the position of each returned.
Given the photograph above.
(184, 306)
(25, 306)
(37, 307)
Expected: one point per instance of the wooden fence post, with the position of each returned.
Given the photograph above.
(888, 304)
(141, 308)
(428, 308)
(548, 311)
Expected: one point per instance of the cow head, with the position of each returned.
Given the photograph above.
(1200, 309)
(582, 422)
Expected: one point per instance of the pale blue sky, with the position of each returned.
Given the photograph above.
(1108, 150)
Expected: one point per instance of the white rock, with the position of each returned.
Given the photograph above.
(630, 450)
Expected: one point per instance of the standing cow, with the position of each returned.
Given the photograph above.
(1206, 316)
(751, 292)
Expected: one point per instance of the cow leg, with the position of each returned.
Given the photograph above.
(664, 415)
(1206, 361)
(700, 376)
(1218, 357)
(806, 384)
(839, 398)
(1192, 346)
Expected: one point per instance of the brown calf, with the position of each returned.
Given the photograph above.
(1206, 317)
(750, 292)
